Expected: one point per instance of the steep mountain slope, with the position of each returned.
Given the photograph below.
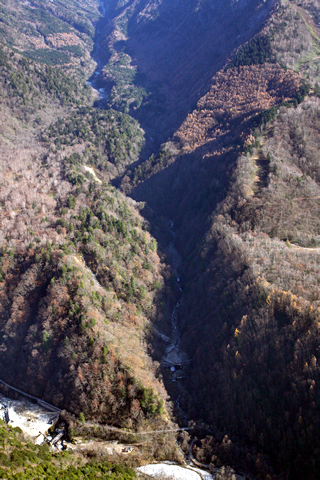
(19, 458)
(294, 33)
(80, 277)
(206, 146)
(256, 357)
(161, 55)
(79, 270)
(240, 179)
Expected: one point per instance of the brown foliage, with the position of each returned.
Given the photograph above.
(234, 97)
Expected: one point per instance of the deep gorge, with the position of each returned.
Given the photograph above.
(179, 199)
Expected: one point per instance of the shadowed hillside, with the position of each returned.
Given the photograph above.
(162, 55)
(239, 180)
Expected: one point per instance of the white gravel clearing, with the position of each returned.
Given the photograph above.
(174, 472)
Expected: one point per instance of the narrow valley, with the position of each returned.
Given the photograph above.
(159, 235)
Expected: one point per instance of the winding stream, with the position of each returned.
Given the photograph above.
(174, 357)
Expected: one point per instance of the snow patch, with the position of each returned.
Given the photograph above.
(33, 419)
(175, 472)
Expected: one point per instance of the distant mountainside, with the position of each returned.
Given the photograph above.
(199, 160)
(52, 32)
(161, 55)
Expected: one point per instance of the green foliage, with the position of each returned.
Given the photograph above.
(31, 462)
(63, 222)
(49, 24)
(150, 403)
(303, 92)
(75, 49)
(126, 92)
(45, 341)
(92, 322)
(71, 201)
(265, 116)
(114, 138)
(26, 83)
(256, 52)
(82, 417)
(49, 57)
(270, 114)
(157, 285)
(153, 245)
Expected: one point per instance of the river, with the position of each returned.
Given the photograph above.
(174, 357)
(100, 93)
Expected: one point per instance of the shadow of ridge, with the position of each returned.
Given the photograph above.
(174, 65)
(101, 56)
(198, 197)
(184, 164)
(186, 192)
(183, 59)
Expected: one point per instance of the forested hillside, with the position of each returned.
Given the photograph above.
(256, 362)
(161, 55)
(19, 458)
(176, 207)
(79, 270)
(53, 33)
